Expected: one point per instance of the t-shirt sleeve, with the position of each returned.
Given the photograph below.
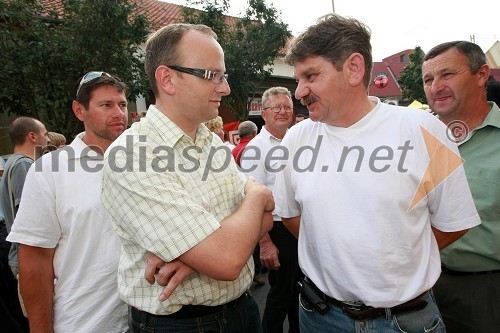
(18, 177)
(36, 222)
(450, 201)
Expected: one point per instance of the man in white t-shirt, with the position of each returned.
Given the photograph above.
(68, 258)
(372, 191)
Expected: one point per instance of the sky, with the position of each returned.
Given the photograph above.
(398, 25)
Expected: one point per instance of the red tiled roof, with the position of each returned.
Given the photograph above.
(159, 13)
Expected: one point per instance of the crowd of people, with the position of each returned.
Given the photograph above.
(369, 217)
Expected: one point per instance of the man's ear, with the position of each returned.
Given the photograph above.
(78, 110)
(484, 74)
(263, 115)
(164, 79)
(355, 69)
(31, 136)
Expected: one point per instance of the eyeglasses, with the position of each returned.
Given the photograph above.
(90, 76)
(278, 108)
(214, 77)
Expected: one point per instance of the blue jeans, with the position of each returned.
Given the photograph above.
(240, 316)
(427, 320)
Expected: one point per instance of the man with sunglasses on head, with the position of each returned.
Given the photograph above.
(69, 251)
(183, 198)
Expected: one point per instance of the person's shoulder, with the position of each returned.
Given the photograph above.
(18, 162)
(408, 114)
(304, 126)
(259, 139)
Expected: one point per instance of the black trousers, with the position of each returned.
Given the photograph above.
(11, 316)
(469, 303)
(283, 296)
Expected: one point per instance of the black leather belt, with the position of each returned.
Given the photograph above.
(194, 311)
(448, 271)
(364, 312)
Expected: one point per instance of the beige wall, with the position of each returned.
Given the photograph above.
(493, 55)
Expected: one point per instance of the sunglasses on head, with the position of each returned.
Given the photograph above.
(90, 76)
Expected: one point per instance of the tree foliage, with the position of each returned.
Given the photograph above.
(250, 44)
(410, 78)
(43, 55)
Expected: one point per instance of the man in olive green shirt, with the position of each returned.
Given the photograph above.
(468, 291)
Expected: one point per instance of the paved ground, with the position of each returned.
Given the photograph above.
(260, 294)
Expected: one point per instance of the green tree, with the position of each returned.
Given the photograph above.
(410, 78)
(43, 54)
(250, 44)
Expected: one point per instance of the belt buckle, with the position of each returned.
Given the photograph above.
(354, 305)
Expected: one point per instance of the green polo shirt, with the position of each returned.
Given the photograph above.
(479, 249)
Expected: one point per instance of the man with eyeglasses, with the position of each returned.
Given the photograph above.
(278, 248)
(183, 198)
(69, 251)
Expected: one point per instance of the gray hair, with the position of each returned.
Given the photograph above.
(247, 129)
(274, 91)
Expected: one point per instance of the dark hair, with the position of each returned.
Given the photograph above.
(162, 48)
(493, 91)
(475, 55)
(85, 93)
(21, 127)
(334, 38)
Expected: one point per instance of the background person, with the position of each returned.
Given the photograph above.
(185, 213)
(28, 137)
(56, 141)
(247, 130)
(369, 232)
(278, 248)
(69, 253)
(299, 117)
(493, 91)
(455, 76)
(216, 125)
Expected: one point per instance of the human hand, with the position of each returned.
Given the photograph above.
(261, 192)
(269, 255)
(169, 275)
(153, 265)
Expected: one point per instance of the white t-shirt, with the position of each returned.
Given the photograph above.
(60, 208)
(359, 240)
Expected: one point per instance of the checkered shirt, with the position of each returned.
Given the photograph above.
(166, 194)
